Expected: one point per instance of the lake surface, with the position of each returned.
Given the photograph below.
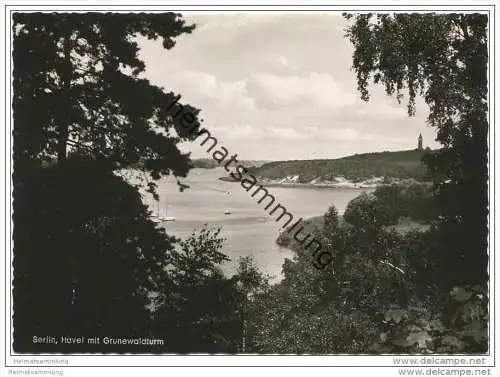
(248, 230)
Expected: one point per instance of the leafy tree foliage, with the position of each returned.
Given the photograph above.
(443, 58)
(383, 294)
(249, 277)
(337, 309)
(201, 310)
(331, 220)
(416, 201)
(78, 86)
(364, 212)
(89, 260)
(195, 311)
(462, 328)
(252, 287)
(413, 291)
(357, 168)
(87, 257)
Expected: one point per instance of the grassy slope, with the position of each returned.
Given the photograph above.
(399, 165)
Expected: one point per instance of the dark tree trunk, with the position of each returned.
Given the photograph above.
(66, 102)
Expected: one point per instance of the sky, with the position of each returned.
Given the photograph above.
(279, 86)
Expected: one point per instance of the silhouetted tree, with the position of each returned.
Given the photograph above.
(443, 58)
(77, 84)
(86, 257)
(199, 311)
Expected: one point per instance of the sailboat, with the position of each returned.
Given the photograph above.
(155, 217)
(168, 218)
(165, 218)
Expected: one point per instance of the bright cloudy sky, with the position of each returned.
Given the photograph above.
(280, 87)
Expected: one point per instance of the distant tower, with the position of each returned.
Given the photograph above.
(420, 143)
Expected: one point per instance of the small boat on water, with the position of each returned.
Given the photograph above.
(158, 218)
(165, 218)
(155, 217)
(227, 211)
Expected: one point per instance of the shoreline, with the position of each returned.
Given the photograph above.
(320, 185)
(343, 185)
(340, 182)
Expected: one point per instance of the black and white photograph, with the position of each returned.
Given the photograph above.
(250, 182)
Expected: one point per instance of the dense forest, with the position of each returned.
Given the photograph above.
(356, 168)
(403, 207)
(210, 163)
(88, 260)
